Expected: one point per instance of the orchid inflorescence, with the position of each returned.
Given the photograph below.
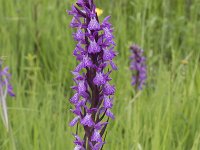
(93, 98)
(5, 89)
(138, 66)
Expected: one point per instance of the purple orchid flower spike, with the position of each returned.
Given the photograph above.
(138, 66)
(93, 98)
(5, 89)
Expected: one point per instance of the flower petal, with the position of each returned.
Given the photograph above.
(99, 79)
(74, 121)
(94, 25)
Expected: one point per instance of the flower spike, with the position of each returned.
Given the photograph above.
(93, 98)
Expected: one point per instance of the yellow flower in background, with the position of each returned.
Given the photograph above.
(99, 11)
(184, 62)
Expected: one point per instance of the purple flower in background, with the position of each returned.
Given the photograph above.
(93, 98)
(138, 67)
(5, 89)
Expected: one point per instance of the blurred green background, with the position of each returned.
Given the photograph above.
(36, 38)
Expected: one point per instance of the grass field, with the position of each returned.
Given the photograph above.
(36, 38)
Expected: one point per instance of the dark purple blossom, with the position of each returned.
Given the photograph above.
(5, 89)
(138, 66)
(93, 98)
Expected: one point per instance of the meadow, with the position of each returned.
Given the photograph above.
(37, 41)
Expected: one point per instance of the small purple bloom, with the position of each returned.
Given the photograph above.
(79, 35)
(99, 125)
(82, 88)
(110, 114)
(94, 47)
(5, 89)
(74, 121)
(107, 102)
(99, 79)
(75, 99)
(93, 25)
(108, 54)
(79, 143)
(93, 98)
(138, 66)
(96, 137)
(97, 146)
(87, 120)
(107, 33)
(85, 62)
(108, 89)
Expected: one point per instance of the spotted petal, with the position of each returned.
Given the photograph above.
(94, 25)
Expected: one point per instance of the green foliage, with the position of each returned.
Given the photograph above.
(36, 38)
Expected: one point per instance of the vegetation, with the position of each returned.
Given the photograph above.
(37, 41)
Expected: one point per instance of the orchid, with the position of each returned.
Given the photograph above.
(5, 89)
(93, 98)
(138, 67)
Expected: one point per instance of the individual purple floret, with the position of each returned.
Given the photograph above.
(93, 98)
(138, 67)
(5, 89)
